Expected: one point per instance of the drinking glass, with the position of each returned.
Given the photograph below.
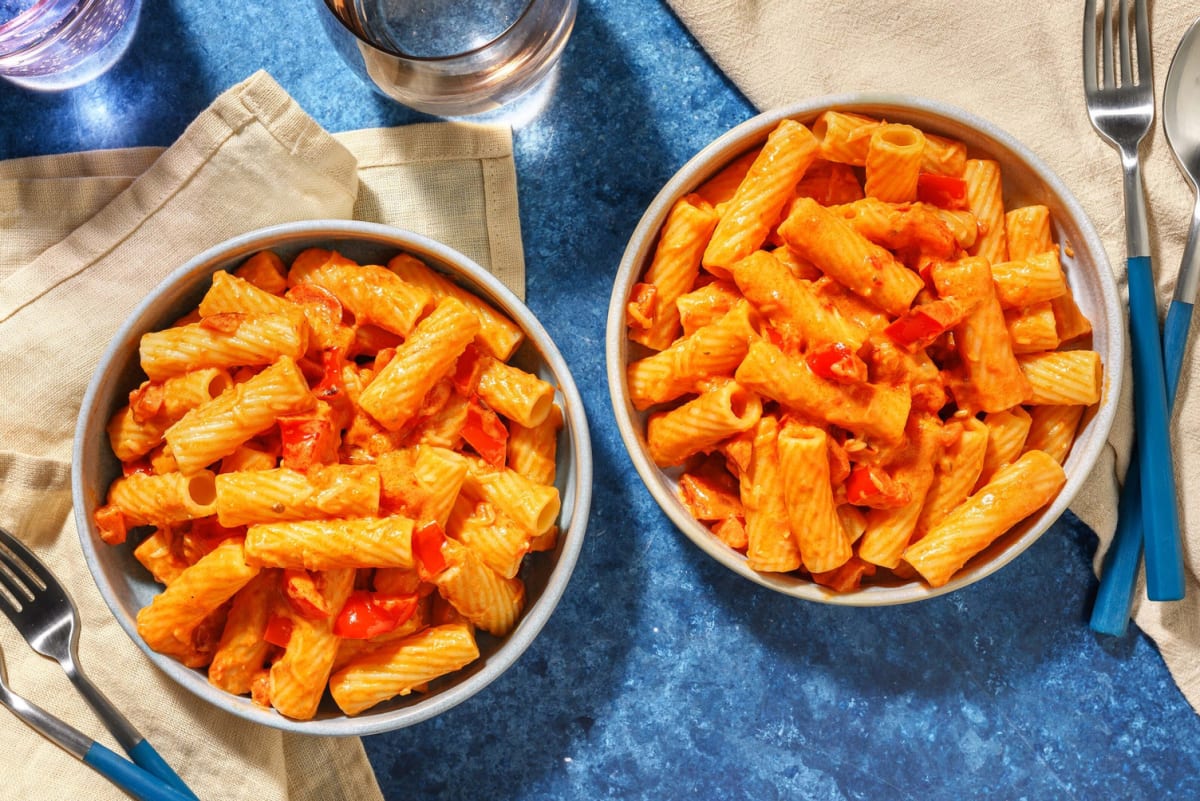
(450, 57)
(59, 44)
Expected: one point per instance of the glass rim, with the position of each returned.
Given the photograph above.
(359, 34)
(27, 17)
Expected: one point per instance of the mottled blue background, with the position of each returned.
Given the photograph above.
(661, 675)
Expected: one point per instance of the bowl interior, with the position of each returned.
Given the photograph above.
(1026, 181)
(126, 585)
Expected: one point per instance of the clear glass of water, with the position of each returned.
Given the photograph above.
(450, 57)
(53, 45)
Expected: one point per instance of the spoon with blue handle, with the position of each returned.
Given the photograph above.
(129, 777)
(1181, 121)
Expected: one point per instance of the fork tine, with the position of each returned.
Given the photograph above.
(1089, 46)
(1124, 54)
(1142, 31)
(31, 567)
(1106, 53)
(18, 593)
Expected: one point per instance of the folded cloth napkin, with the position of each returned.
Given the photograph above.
(1020, 66)
(83, 237)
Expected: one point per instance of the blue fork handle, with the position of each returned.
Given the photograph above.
(1160, 515)
(1110, 614)
(129, 777)
(144, 756)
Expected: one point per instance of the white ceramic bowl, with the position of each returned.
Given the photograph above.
(127, 587)
(1026, 181)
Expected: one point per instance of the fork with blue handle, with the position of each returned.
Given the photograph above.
(39, 607)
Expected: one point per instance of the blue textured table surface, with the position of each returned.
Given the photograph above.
(661, 675)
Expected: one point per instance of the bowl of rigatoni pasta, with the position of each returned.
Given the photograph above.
(864, 350)
(332, 477)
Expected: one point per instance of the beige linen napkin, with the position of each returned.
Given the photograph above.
(83, 237)
(1019, 65)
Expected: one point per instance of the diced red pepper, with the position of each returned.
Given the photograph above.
(137, 466)
(307, 440)
(466, 370)
(279, 630)
(110, 524)
(315, 295)
(871, 486)
(369, 614)
(485, 432)
(922, 325)
(837, 362)
(302, 591)
(427, 542)
(943, 191)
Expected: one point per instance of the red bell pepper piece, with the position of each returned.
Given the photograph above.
(485, 432)
(921, 325)
(427, 542)
(137, 466)
(837, 362)
(871, 486)
(943, 191)
(369, 614)
(307, 440)
(278, 631)
(301, 590)
(466, 371)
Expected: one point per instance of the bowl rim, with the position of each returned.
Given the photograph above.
(571, 536)
(718, 153)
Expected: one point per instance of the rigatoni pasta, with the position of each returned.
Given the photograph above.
(847, 398)
(340, 476)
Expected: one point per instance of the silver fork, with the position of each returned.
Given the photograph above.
(121, 772)
(1121, 107)
(38, 605)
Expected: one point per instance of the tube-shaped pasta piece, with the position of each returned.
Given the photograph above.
(299, 677)
(161, 500)
(394, 397)
(241, 654)
(1069, 318)
(1063, 377)
(720, 188)
(230, 294)
(400, 666)
(1031, 280)
(712, 350)
(1007, 431)
(373, 294)
(904, 226)
(442, 429)
(996, 381)
(674, 268)
(499, 335)
(894, 157)
(248, 457)
(706, 304)
(808, 495)
(421, 482)
(962, 225)
(755, 207)
(217, 428)
(771, 544)
(168, 622)
(261, 496)
(532, 451)
(889, 531)
(332, 544)
(239, 340)
(482, 596)
(790, 304)
(266, 271)
(832, 244)
(1014, 493)
(943, 156)
(830, 182)
(701, 423)
(158, 554)
(845, 137)
(132, 435)
(1027, 230)
(1052, 429)
(491, 534)
(985, 200)
(1032, 329)
(520, 396)
(879, 411)
(534, 507)
(956, 472)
